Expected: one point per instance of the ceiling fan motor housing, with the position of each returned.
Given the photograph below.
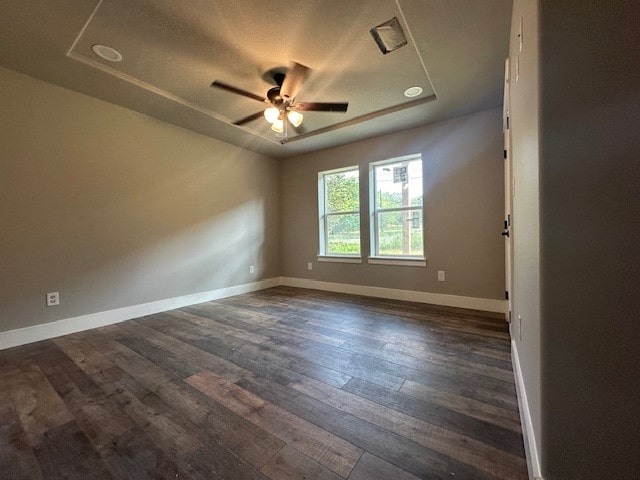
(274, 96)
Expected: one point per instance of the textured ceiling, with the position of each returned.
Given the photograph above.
(173, 50)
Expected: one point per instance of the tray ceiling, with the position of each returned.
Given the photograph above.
(172, 51)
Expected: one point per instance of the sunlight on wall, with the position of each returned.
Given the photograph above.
(214, 253)
(161, 212)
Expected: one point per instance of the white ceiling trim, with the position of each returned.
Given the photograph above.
(415, 47)
(163, 93)
(146, 86)
(362, 118)
(84, 27)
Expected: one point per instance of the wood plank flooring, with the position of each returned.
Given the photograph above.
(279, 384)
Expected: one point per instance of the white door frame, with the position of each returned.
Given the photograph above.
(508, 193)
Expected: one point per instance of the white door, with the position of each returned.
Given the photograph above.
(507, 231)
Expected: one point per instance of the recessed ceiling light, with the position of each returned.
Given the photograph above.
(107, 53)
(412, 91)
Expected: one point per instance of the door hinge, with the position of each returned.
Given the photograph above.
(506, 295)
(504, 153)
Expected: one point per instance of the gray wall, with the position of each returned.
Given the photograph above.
(463, 208)
(525, 230)
(590, 248)
(112, 208)
(577, 258)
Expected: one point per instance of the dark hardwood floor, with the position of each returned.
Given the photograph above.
(282, 384)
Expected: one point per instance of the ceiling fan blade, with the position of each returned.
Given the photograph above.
(296, 76)
(322, 106)
(238, 91)
(250, 118)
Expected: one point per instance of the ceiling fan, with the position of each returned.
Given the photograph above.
(283, 109)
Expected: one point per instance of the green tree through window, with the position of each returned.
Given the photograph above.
(340, 213)
(396, 215)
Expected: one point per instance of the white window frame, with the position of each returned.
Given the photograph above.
(323, 255)
(374, 211)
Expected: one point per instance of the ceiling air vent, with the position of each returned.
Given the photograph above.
(389, 36)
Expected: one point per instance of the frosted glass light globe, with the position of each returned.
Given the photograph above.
(271, 114)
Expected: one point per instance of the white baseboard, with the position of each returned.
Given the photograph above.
(474, 303)
(531, 447)
(21, 336)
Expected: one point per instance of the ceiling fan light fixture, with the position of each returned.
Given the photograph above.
(282, 109)
(271, 114)
(389, 36)
(278, 125)
(295, 118)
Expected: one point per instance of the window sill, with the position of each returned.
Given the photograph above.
(340, 258)
(404, 261)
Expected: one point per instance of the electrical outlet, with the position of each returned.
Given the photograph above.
(441, 275)
(309, 266)
(53, 299)
(252, 269)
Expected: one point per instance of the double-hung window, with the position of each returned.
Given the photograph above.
(339, 213)
(396, 204)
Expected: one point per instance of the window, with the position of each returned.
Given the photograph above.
(339, 213)
(396, 209)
